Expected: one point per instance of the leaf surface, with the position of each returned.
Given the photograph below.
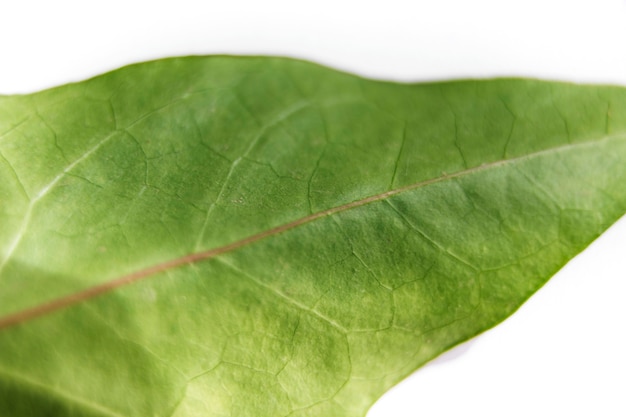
(301, 238)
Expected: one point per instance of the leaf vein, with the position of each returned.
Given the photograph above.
(60, 393)
(48, 307)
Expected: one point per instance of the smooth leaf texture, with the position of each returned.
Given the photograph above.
(345, 231)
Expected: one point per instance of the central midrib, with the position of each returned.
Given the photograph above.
(71, 299)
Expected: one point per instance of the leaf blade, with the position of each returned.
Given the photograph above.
(471, 234)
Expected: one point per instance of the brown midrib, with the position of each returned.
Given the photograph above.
(77, 297)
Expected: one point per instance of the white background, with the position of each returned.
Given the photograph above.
(563, 352)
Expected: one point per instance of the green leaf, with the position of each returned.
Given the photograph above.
(302, 239)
